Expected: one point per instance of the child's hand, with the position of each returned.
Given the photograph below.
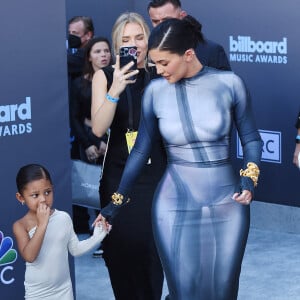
(100, 218)
(43, 214)
(101, 229)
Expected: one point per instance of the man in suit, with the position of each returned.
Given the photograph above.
(209, 53)
(81, 30)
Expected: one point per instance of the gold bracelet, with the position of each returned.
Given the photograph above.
(252, 171)
(117, 199)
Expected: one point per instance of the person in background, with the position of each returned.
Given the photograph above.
(45, 236)
(80, 31)
(201, 212)
(209, 53)
(130, 254)
(97, 56)
(297, 147)
(91, 148)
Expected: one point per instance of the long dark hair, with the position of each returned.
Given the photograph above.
(88, 70)
(30, 173)
(176, 36)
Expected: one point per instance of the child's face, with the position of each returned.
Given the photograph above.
(37, 192)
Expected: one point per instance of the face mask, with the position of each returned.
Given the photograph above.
(74, 41)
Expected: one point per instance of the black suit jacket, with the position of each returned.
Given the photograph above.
(213, 55)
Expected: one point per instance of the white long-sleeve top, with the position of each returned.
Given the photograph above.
(48, 277)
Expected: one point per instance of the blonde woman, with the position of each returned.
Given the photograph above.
(129, 251)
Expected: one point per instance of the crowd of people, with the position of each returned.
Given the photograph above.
(173, 205)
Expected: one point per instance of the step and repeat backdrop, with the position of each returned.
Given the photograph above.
(34, 126)
(262, 43)
(259, 37)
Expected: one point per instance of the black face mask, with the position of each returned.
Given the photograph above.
(74, 41)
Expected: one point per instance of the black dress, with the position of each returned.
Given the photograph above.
(80, 109)
(129, 250)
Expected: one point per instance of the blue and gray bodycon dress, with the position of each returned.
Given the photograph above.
(200, 231)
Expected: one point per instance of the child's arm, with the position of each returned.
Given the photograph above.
(77, 247)
(29, 248)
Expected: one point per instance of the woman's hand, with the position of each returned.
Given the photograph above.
(121, 78)
(92, 153)
(245, 197)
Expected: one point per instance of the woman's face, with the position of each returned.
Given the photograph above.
(133, 35)
(172, 67)
(100, 55)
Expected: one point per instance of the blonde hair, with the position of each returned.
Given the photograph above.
(121, 22)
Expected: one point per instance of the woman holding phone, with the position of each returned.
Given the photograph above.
(129, 251)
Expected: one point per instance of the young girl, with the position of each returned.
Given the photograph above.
(44, 237)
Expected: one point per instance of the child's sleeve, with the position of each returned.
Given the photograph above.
(77, 247)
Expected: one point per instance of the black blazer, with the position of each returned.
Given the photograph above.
(213, 55)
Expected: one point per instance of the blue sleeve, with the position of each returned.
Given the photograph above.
(247, 130)
(148, 132)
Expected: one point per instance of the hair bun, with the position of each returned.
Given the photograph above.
(195, 25)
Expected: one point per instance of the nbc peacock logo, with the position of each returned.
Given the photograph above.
(8, 256)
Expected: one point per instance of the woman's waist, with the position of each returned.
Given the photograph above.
(200, 164)
(201, 157)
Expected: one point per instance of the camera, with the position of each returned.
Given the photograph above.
(128, 54)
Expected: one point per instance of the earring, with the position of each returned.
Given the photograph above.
(23, 202)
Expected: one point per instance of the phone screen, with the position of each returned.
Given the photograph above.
(128, 54)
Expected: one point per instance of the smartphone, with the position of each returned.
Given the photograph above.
(128, 54)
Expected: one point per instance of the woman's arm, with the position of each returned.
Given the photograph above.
(250, 140)
(103, 110)
(148, 132)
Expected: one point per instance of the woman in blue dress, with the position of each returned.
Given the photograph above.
(201, 209)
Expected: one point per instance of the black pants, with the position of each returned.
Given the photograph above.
(135, 280)
(132, 260)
